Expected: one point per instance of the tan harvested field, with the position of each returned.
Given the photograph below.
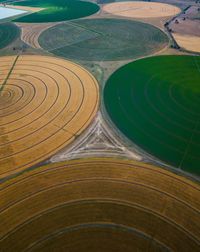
(141, 9)
(31, 32)
(187, 33)
(99, 204)
(26, 8)
(45, 104)
(188, 42)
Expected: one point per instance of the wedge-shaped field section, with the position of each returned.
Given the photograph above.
(103, 39)
(99, 205)
(45, 103)
(155, 102)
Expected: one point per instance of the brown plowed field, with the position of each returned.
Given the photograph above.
(99, 205)
(45, 103)
(31, 32)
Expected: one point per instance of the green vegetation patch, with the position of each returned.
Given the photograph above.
(103, 39)
(155, 102)
(57, 10)
(8, 33)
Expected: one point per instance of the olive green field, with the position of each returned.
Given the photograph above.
(8, 33)
(103, 39)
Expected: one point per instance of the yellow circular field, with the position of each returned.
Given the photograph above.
(45, 103)
(140, 9)
(188, 42)
(99, 205)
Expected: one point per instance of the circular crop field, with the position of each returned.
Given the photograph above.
(56, 10)
(99, 205)
(8, 34)
(45, 103)
(155, 102)
(103, 39)
(141, 9)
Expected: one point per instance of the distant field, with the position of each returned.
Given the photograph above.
(155, 102)
(141, 9)
(103, 39)
(57, 10)
(8, 33)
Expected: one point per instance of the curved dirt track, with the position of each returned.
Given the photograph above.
(45, 103)
(99, 205)
(31, 32)
(141, 9)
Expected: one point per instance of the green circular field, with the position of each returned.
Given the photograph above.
(103, 39)
(57, 10)
(8, 33)
(155, 102)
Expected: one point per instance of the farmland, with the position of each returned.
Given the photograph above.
(103, 39)
(99, 126)
(139, 9)
(45, 104)
(56, 10)
(163, 94)
(8, 33)
(95, 204)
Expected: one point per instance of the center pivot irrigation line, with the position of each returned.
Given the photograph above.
(78, 41)
(94, 34)
(85, 28)
(128, 9)
(9, 73)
